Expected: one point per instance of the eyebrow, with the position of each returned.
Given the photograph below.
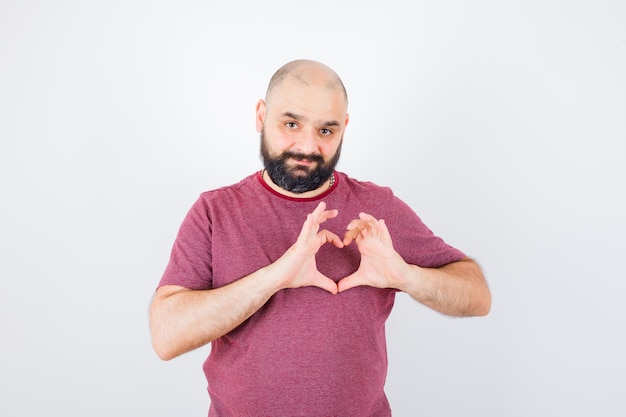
(298, 117)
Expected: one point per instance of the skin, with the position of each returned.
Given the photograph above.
(306, 112)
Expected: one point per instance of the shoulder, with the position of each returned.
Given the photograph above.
(225, 197)
(242, 187)
(360, 186)
(378, 200)
(366, 191)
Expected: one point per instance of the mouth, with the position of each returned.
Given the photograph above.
(302, 161)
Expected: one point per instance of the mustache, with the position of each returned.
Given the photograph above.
(302, 157)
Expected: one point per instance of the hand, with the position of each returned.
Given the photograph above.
(298, 265)
(381, 266)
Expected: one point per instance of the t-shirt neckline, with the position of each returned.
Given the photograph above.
(265, 185)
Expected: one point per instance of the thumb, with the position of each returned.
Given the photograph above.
(351, 281)
(325, 283)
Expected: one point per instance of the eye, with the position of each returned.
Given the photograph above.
(326, 132)
(291, 125)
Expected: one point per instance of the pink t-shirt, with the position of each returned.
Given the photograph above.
(306, 352)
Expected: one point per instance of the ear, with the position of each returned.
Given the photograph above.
(260, 115)
(347, 120)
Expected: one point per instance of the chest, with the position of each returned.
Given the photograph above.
(244, 240)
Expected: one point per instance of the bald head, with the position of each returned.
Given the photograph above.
(306, 73)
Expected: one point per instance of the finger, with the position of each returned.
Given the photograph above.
(320, 208)
(315, 218)
(357, 224)
(370, 220)
(384, 231)
(351, 281)
(364, 222)
(326, 236)
(316, 215)
(350, 235)
(328, 214)
(320, 214)
(367, 217)
(309, 228)
(325, 283)
(354, 228)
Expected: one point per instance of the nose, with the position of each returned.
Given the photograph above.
(306, 142)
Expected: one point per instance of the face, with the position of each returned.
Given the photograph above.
(297, 172)
(301, 128)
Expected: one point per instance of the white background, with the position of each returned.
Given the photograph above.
(503, 124)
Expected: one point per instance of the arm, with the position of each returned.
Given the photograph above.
(182, 320)
(456, 289)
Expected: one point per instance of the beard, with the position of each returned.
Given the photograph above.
(298, 179)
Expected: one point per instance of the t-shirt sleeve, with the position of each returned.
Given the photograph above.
(190, 260)
(414, 241)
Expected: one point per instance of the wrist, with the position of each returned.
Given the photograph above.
(409, 279)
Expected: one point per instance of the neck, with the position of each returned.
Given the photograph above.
(309, 194)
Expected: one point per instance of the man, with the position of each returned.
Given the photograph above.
(291, 273)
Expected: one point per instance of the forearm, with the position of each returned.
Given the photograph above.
(182, 320)
(457, 289)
